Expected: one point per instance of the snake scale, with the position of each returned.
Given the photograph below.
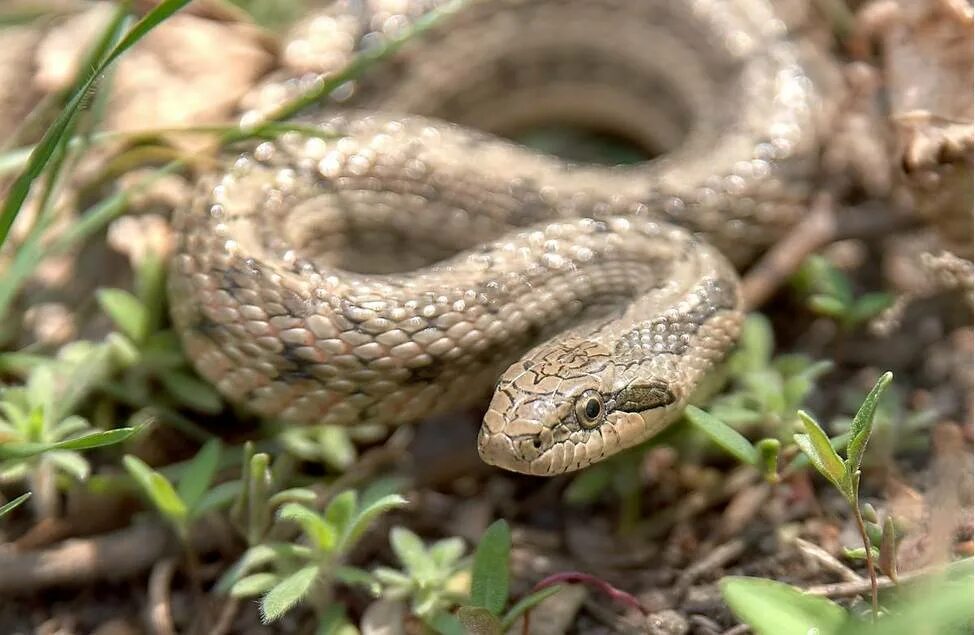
(397, 267)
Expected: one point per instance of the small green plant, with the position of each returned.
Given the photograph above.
(897, 429)
(830, 293)
(765, 390)
(485, 611)
(330, 445)
(286, 574)
(192, 496)
(938, 603)
(40, 438)
(433, 577)
(845, 474)
(157, 358)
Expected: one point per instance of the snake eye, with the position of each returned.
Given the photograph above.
(589, 408)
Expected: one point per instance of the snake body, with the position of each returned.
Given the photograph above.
(395, 268)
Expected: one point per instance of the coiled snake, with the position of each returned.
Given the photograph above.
(395, 270)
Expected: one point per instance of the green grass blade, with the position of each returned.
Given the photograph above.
(9, 507)
(56, 133)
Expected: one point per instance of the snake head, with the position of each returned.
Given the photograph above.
(560, 409)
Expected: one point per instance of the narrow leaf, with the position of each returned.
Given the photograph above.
(199, 472)
(287, 593)
(862, 423)
(337, 450)
(70, 462)
(218, 497)
(826, 460)
(322, 533)
(527, 603)
(826, 305)
(768, 451)
(157, 488)
(256, 556)
(888, 549)
(192, 392)
(354, 576)
(489, 576)
(254, 584)
(369, 513)
(340, 512)
(126, 311)
(12, 505)
(724, 435)
(94, 440)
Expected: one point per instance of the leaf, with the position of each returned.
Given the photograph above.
(774, 608)
(859, 553)
(768, 451)
(445, 553)
(826, 305)
(14, 504)
(340, 512)
(869, 305)
(158, 489)
(862, 424)
(192, 392)
(335, 447)
(256, 556)
(51, 146)
(41, 389)
(355, 576)
(287, 593)
(70, 462)
(940, 605)
(888, 549)
(411, 552)
(126, 311)
(70, 426)
(368, 513)
(477, 620)
(489, 575)
(816, 445)
(217, 497)
(320, 532)
(724, 435)
(391, 577)
(757, 342)
(294, 495)
(526, 603)
(198, 474)
(254, 584)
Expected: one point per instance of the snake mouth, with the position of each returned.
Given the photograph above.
(523, 454)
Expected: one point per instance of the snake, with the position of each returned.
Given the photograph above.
(410, 258)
